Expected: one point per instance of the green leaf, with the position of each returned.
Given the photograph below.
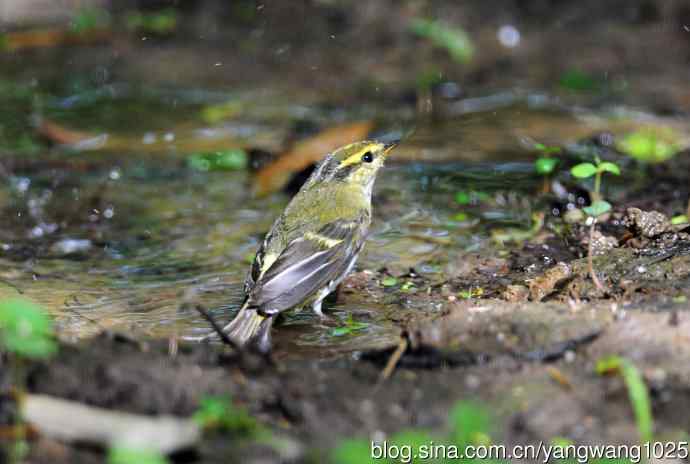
(637, 392)
(25, 329)
(453, 39)
(350, 326)
(545, 166)
(677, 220)
(389, 281)
(125, 455)
(609, 167)
(583, 170)
(546, 149)
(597, 208)
(348, 329)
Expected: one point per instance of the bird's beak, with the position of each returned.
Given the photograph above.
(388, 147)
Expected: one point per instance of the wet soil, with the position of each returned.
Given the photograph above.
(532, 363)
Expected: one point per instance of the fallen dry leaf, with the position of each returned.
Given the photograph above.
(44, 38)
(182, 139)
(304, 153)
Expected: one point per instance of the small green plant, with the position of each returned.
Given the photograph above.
(637, 392)
(545, 165)
(598, 207)
(227, 160)
(453, 39)
(219, 413)
(25, 329)
(350, 327)
(126, 455)
(596, 170)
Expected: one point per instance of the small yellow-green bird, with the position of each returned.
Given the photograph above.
(314, 244)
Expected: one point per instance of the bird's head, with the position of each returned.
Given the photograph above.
(353, 164)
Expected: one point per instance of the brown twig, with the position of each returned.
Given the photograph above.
(216, 328)
(590, 261)
(393, 360)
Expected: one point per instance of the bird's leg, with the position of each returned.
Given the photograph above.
(316, 306)
(326, 320)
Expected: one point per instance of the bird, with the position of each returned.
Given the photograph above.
(313, 245)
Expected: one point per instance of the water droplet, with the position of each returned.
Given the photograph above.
(509, 36)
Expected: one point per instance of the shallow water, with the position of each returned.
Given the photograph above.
(158, 237)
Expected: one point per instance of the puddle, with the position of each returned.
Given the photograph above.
(154, 236)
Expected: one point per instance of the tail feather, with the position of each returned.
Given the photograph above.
(249, 326)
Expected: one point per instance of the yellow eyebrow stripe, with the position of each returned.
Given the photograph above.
(357, 157)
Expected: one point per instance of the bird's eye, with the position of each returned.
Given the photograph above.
(367, 157)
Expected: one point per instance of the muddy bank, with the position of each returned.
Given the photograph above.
(532, 364)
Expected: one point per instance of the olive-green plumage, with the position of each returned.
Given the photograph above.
(314, 244)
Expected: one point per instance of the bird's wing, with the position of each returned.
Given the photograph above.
(307, 265)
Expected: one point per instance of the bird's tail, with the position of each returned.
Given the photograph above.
(249, 326)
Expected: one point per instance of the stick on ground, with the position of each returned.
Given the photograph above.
(216, 328)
